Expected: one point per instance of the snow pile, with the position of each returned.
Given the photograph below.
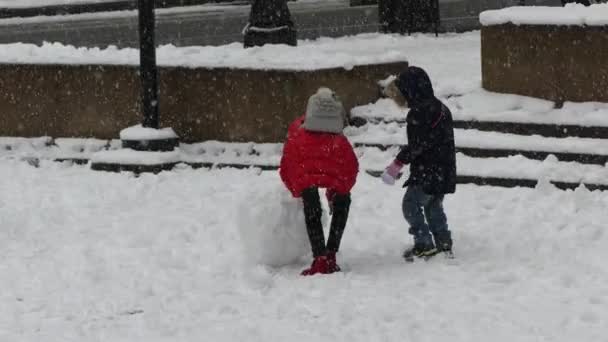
(272, 227)
(138, 132)
(571, 14)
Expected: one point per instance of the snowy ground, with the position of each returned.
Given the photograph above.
(87, 256)
(91, 256)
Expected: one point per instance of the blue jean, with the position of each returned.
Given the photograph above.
(418, 206)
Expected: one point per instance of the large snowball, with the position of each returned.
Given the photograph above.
(271, 226)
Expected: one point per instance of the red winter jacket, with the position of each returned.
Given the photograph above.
(313, 159)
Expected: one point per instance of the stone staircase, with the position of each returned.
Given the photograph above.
(573, 154)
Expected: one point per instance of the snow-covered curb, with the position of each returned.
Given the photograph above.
(570, 15)
(212, 152)
(132, 157)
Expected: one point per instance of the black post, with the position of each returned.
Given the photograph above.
(147, 62)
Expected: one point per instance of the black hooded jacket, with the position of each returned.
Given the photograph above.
(430, 134)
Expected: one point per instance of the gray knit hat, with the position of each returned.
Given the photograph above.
(324, 112)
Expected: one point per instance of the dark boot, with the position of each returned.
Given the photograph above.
(314, 226)
(443, 241)
(419, 251)
(332, 263)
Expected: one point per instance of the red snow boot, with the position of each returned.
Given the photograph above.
(319, 265)
(331, 262)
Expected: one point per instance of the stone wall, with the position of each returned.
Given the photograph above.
(558, 63)
(200, 104)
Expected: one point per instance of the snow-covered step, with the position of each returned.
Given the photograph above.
(509, 171)
(504, 113)
(61, 148)
(482, 144)
(473, 173)
(547, 130)
(514, 167)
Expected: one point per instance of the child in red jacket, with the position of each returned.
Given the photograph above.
(317, 155)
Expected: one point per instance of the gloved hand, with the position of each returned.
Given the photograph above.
(391, 172)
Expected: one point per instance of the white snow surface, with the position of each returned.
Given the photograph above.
(570, 15)
(323, 53)
(90, 256)
(132, 157)
(482, 105)
(277, 220)
(138, 132)
(514, 167)
(370, 158)
(393, 133)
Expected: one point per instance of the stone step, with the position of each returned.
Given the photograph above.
(490, 144)
(520, 128)
(500, 171)
(461, 179)
(583, 158)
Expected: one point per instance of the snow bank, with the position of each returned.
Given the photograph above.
(571, 14)
(271, 226)
(308, 55)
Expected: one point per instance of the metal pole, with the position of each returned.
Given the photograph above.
(147, 62)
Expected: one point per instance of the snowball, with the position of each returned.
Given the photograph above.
(272, 227)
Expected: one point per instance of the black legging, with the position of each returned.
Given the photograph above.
(314, 227)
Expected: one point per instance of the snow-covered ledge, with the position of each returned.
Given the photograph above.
(555, 53)
(206, 92)
(570, 15)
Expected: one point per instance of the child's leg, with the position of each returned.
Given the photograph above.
(341, 206)
(438, 223)
(312, 215)
(412, 205)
